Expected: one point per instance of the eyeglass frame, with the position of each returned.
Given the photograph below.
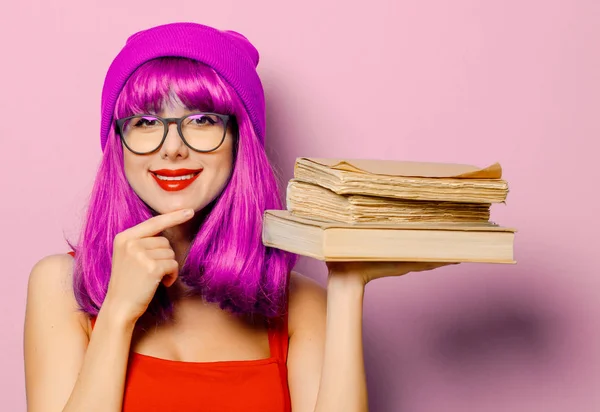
(166, 121)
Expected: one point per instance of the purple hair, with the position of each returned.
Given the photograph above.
(227, 262)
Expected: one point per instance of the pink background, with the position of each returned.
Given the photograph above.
(458, 81)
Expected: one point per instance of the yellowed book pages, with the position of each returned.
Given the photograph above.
(411, 169)
(416, 242)
(309, 200)
(405, 180)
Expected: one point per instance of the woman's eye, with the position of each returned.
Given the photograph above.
(201, 120)
(146, 121)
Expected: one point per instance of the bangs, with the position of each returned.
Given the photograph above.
(166, 81)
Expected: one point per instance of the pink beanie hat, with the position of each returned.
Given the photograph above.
(229, 53)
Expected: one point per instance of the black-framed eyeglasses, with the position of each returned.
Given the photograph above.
(200, 131)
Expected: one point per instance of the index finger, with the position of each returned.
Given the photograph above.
(157, 224)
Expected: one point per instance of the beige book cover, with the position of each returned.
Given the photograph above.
(405, 180)
(418, 242)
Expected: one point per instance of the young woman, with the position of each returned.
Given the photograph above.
(170, 302)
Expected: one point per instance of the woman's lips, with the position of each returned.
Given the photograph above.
(174, 180)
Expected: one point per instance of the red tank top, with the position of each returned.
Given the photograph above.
(155, 384)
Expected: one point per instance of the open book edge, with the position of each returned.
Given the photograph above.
(409, 169)
(323, 224)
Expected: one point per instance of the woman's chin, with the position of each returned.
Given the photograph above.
(163, 205)
(164, 209)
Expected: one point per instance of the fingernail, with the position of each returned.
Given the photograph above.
(188, 212)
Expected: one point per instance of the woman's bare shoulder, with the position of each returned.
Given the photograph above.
(307, 302)
(55, 335)
(51, 285)
(53, 275)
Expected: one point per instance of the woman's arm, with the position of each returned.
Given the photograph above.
(343, 382)
(325, 358)
(64, 369)
(61, 373)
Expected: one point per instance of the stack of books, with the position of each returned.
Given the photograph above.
(378, 210)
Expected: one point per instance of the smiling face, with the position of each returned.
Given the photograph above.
(175, 176)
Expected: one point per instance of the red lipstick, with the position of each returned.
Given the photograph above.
(172, 180)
